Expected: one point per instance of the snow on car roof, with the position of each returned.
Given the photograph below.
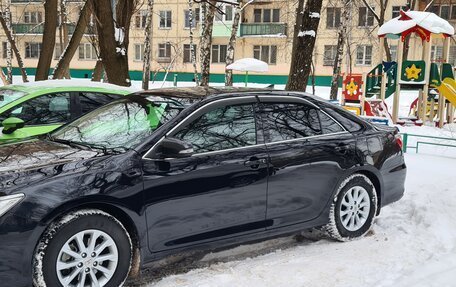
(73, 83)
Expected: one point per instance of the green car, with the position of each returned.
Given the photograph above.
(37, 108)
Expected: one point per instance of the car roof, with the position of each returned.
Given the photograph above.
(204, 92)
(70, 85)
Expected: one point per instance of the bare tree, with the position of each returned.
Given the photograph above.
(63, 65)
(305, 33)
(380, 18)
(147, 45)
(232, 44)
(113, 38)
(342, 34)
(12, 42)
(206, 41)
(192, 45)
(48, 44)
(63, 31)
(5, 81)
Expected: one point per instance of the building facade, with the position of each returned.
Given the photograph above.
(265, 33)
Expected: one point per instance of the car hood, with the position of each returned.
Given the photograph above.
(36, 154)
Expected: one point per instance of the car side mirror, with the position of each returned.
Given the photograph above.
(10, 125)
(174, 148)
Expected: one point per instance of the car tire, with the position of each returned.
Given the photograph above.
(353, 209)
(84, 245)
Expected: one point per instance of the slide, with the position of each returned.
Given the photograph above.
(448, 90)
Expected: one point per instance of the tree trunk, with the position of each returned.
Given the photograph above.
(67, 55)
(5, 81)
(305, 33)
(192, 48)
(232, 45)
(113, 50)
(9, 52)
(147, 45)
(206, 42)
(342, 34)
(12, 41)
(97, 71)
(63, 32)
(48, 43)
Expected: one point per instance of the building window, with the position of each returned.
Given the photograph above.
(32, 50)
(452, 57)
(393, 51)
(365, 17)
(165, 19)
(4, 50)
(396, 11)
(329, 55)
(196, 17)
(164, 51)
(141, 19)
(188, 53)
(34, 17)
(436, 53)
(139, 52)
(445, 12)
(333, 17)
(453, 12)
(266, 15)
(87, 52)
(266, 54)
(219, 53)
(364, 55)
(435, 9)
(227, 14)
(57, 52)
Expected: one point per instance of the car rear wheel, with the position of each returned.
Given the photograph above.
(353, 209)
(84, 248)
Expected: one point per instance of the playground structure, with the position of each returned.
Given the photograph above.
(366, 94)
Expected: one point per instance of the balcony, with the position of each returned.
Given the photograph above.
(22, 28)
(263, 29)
(26, 1)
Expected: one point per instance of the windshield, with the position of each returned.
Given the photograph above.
(7, 96)
(121, 124)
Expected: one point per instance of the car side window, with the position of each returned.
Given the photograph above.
(289, 121)
(91, 101)
(328, 125)
(42, 110)
(221, 128)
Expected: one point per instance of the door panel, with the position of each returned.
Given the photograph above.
(219, 191)
(307, 159)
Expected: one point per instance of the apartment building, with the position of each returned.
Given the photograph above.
(265, 33)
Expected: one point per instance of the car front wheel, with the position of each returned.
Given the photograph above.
(353, 209)
(84, 248)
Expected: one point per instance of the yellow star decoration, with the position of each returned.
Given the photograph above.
(412, 72)
(351, 87)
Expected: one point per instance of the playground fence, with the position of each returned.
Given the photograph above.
(406, 136)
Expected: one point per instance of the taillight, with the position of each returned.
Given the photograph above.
(399, 141)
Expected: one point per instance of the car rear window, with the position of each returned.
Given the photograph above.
(349, 121)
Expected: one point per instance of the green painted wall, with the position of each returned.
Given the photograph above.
(188, 77)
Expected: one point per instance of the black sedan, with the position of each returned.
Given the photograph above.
(175, 170)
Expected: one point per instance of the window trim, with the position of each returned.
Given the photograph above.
(193, 115)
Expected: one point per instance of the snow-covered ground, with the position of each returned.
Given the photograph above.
(413, 243)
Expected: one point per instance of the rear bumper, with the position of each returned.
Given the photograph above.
(394, 184)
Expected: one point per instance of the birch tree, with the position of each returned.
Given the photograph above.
(63, 32)
(232, 44)
(63, 64)
(206, 41)
(192, 45)
(305, 33)
(342, 34)
(48, 44)
(380, 18)
(147, 45)
(12, 41)
(9, 54)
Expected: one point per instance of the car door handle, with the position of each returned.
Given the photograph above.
(255, 162)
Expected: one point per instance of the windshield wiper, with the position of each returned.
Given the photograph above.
(91, 146)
